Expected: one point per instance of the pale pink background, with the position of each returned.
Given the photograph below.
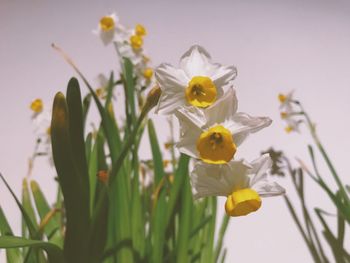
(277, 46)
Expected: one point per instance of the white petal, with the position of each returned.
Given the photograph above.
(170, 77)
(172, 82)
(102, 80)
(259, 169)
(242, 124)
(223, 75)
(196, 62)
(268, 189)
(218, 180)
(107, 37)
(190, 130)
(170, 101)
(223, 109)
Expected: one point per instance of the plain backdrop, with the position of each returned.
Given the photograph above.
(277, 46)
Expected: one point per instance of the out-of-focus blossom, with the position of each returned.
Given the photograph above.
(242, 183)
(286, 100)
(37, 107)
(288, 112)
(198, 82)
(110, 30)
(214, 133)
(101, 90)
(42, 123)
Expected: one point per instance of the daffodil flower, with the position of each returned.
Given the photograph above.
(286, 100)
(288, 115)
(288, 112)
(198, 81)
(214, 133)
(109, 29)
(37, 107)
(42, 130)
(241, 182)
(130, 44)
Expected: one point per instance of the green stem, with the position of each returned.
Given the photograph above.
(324, 153)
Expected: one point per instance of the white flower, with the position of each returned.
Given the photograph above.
(214, 133)
(144, 76)
(42, 131)
(288, 112)
(289, 117)
(130, 45)
(242, 183)
(286, 100)
(126, 51)
(109, 29)
(197, 82)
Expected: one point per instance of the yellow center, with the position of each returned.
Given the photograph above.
(148, 73)
(288, 129)
(201, 92)
(242, 202)
(216, 145)
(284, 115)
(136, 42)
(282, 98)
(37, 106)
(140, 30)
(100, 92)
(107, 23)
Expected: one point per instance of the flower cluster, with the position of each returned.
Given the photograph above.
(41, 119)
(288, 111)
(129, 44)
(201, 95)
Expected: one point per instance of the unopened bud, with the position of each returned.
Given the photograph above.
(152, 98)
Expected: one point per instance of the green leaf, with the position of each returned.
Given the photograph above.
(76, 133)
(13, 255)
(222, 231)
(54, 252)
(77, 210)
(179, 178)
(208, 250)
(158, 228)
(27, 203)
(137, 210)
(98, 232)
(156, 153)
(49, 221)
(339, 252)
(28, 221)
(185, 222)
(88, 149)
(128, 73)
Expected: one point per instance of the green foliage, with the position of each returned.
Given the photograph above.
(339, 197)
(104, 211)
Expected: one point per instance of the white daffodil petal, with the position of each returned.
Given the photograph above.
(196, 62)
(171, 77)
(106, 37)
(170, 101)
(223, 75)
(268, 189)
(242, 124)
(206, 180)
(172, 82)
(218, 180)
(259, 168)
(190, 130)
(222, 109)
